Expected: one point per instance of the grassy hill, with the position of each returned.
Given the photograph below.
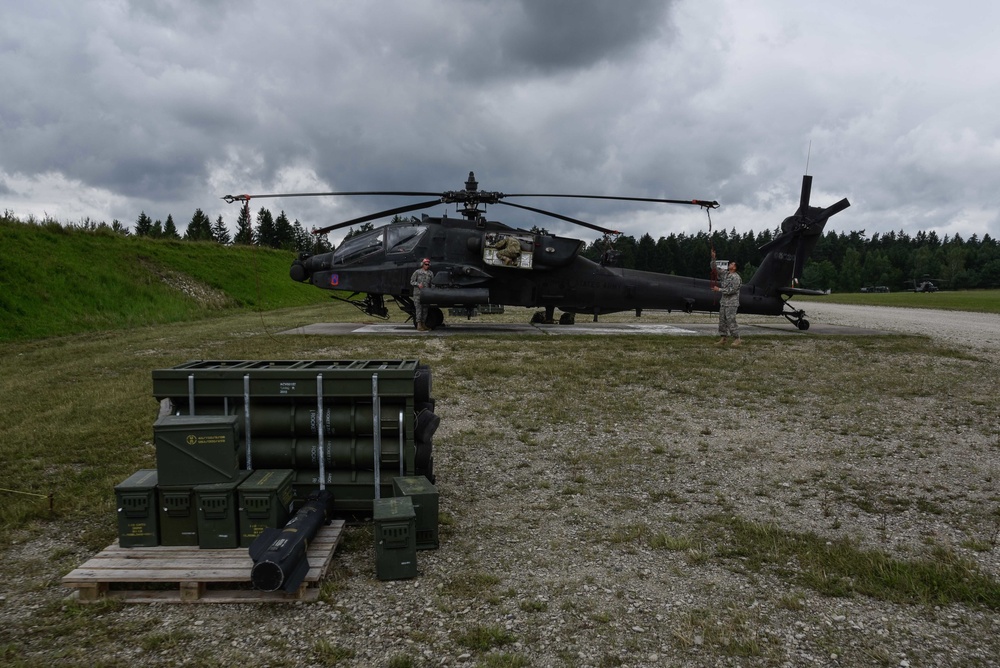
(56, 281)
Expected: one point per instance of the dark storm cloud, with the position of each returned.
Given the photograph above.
(569, 34)
(113, 107)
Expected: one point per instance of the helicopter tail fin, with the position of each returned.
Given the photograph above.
(786, 254)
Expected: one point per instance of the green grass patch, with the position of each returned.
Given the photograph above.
(482, 638)
(841, 568)
(56, 281)
(982, 301)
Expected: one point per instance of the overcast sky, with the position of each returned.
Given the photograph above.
(109, 108)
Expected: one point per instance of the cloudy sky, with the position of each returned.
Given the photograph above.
(109, 108)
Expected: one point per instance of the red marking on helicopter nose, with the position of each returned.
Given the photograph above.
(334, 279)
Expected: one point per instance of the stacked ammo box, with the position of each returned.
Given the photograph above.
(405, 523)
(240, 443)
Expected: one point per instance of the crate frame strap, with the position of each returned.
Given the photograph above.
(377, 435)
(246, 420)
(401, 463)
(319, 431)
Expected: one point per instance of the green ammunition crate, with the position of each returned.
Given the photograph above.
(395, 538)
(197, 449)
(136, 502)
(178, 519)
(425, 504)
(265, 501)
(218, 513)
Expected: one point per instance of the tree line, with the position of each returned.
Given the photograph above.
(266, 231)
(842, 262)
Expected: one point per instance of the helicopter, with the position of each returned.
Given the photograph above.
(486, 263)
(924, 285)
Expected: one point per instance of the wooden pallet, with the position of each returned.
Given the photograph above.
(167, 574)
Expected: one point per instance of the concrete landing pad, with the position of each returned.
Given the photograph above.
(588, 328)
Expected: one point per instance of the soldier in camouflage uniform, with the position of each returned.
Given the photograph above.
(508, 250)
(729, 287)
(421, 279)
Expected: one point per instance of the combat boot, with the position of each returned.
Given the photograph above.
(721, 341)
(421, 327)
(737, 342)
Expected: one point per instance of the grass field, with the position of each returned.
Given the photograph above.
(983, 301)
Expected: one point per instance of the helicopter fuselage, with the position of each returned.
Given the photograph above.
(470, 268)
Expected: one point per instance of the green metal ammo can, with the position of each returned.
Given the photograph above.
(218, 513)
(395, 538)
(197, 449)
(425, 504)
(265, 501)
(136, 502)
(178, 519)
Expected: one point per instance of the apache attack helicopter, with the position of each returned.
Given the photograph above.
(482, 263)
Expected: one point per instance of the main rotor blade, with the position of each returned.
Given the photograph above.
(401, 193)
(709, 204)
(380, 214)
(603, 230)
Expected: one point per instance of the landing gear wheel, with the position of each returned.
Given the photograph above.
(802, 325)
(567, 319)
(434, 318)
(538, 317)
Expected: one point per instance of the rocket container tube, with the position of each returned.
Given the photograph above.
(354, 490)
(342, 453)
(299, 419)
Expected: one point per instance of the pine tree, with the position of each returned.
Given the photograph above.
(143, 225)
(220, 232)
(284, 234)
(244, 229)
(266, 231)
(170, 229)
(156, 231)
(200, 227)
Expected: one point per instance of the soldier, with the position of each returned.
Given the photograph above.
(508, 250)
(421, 279)
(729, 286)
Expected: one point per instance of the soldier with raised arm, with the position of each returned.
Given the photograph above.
(729, 301)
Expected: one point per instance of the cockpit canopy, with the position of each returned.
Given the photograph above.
(395, 238)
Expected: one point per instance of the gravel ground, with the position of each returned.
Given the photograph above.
(549, 560)
(978, 331)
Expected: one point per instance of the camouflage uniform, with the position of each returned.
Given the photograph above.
(729, 288)
(508, 250)
(421, 277)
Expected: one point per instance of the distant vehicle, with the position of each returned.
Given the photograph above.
(924, 285)
(875, 288)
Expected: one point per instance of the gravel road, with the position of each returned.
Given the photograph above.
(980, 331)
